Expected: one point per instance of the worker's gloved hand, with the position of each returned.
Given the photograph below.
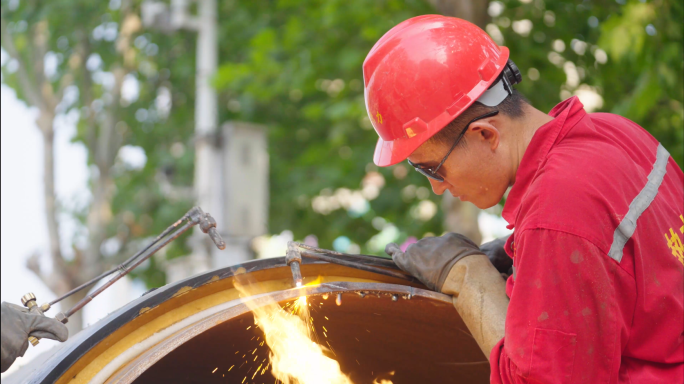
(18, 323)
(431, 258)
(497, 255)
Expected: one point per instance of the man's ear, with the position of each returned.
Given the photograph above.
(483, 131)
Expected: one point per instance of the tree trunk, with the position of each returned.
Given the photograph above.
(103, 141)
(45, 124)
(474, 11)
(75, 323)
(99, 216)
(60, 280)
(459, 216)
(104, 150)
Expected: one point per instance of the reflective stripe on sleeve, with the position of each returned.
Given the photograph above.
(628, 224)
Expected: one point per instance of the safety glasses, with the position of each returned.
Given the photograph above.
(431, 173)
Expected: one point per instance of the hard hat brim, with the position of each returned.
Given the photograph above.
(421, 75)
(389, 153)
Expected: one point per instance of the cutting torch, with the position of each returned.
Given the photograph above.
(193, 217)
(369, 263)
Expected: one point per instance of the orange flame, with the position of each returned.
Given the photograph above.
(295, 358)
(384, 381)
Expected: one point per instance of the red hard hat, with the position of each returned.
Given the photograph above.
(421, 75)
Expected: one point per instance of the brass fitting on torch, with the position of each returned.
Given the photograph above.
(29, 301)
(293, 258)
(194, 216)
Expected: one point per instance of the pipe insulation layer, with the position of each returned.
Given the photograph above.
(378, 333)
(199, 330)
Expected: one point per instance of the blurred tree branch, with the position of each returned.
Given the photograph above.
(38, 91)
(296, 69)
(104, 141)
(474, 11)
(104, 134)
(459, 216)
(31, 90)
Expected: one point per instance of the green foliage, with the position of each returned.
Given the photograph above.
(281, 59)
(297, 69)
(144, 201)
(630, 52)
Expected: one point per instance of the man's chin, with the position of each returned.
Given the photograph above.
(484, 202)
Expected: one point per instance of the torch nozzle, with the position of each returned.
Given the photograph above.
(293, 258)
(296, 274)
(216, 238)
(208, 225)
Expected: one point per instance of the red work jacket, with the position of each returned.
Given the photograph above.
(597, 294)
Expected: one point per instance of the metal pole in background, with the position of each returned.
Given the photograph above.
(229, 163)
(208, 165)
(208, 177)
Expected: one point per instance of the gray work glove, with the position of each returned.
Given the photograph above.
(18, 323)
(430, 259)
(497, 255)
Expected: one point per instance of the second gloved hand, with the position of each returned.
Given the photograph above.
(497, 255)
(18, 323)
(431, 259)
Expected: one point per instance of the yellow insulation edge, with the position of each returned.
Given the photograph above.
(175, 315)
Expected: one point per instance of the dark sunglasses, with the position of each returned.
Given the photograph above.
(432, 173)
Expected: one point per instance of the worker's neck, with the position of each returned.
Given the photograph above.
(524, 129)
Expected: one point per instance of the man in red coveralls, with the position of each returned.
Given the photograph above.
(597, 290)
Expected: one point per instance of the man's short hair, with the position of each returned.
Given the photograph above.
(512, 106)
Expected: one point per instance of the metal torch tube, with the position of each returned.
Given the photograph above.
(296, 273)
(80, 287)
(366, 259)
(123, 273)
(111, 271)
(358, 265)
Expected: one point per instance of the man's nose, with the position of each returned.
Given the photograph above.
(438, 187)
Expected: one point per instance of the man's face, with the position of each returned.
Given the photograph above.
(477, 172)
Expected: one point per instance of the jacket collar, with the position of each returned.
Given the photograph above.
(567, 114)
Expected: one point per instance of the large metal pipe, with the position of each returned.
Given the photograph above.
(194, 331)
